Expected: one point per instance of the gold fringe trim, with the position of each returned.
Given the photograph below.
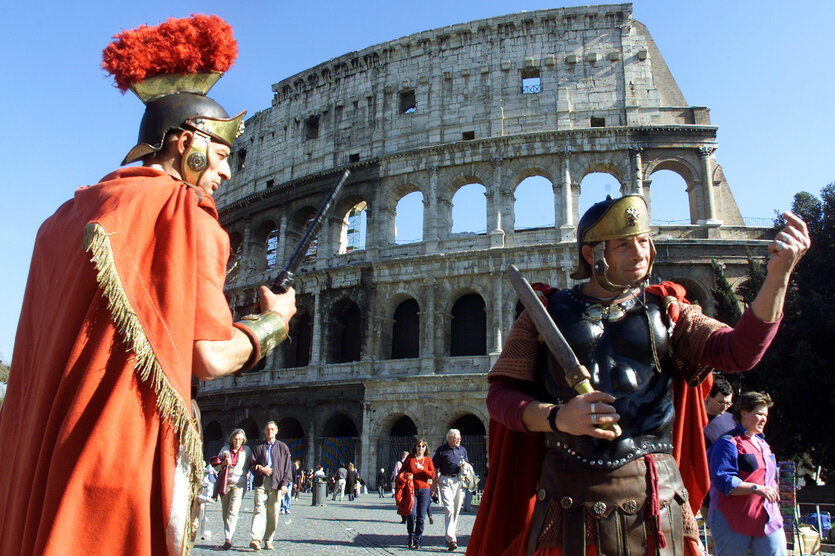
(170, 406)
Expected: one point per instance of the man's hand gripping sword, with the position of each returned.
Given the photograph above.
(576, 374)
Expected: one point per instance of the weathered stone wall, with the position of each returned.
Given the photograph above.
(593, 62)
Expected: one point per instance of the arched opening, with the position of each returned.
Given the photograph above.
(212, 439)
(233, 267)
(533, 204)
(594, 188)
(251, 429)
(297, 352)
(474, 439)
(295, 230)
(264, 248)
(352, 236)
(469, 209)
(669, 198)
(408, 219)
(401, 438)
(468, 329)
(405, 336)
(339, 437)
(290, 432)
(344, 333)
(272, 249)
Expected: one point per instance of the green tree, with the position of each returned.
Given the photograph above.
(797, 370)
(727, 304)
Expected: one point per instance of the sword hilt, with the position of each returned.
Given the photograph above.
(585, 387)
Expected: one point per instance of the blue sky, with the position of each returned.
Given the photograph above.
(763, 68)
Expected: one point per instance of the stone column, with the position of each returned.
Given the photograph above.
(247, 264)
(364, 460)
(565, 200)
(428, 326)
(431, 234)
(316, 341)
(637, 171)
(496, 206)
(310, 455)
(705, 155)
(498, 314)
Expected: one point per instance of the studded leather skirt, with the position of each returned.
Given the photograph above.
(577, 506)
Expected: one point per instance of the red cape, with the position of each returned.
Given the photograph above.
(505, 511)
(97, 409)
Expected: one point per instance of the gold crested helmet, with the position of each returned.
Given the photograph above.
(610, 219)
(171, 68)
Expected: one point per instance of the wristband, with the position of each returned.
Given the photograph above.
(552, 418)
(265, 331)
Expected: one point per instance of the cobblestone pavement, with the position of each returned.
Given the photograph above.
(368, 525)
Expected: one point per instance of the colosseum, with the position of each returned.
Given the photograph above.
(393, 338)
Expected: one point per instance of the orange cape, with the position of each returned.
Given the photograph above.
(105, 456)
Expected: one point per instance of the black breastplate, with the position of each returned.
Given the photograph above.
(618, 352)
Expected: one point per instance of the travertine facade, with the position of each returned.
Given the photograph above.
(386, 330)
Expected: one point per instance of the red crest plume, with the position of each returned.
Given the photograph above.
(197, 44)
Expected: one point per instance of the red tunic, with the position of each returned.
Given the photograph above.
(96, 418)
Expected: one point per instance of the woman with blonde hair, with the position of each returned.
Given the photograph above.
(232, 463)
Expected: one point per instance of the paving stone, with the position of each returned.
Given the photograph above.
(368, 525)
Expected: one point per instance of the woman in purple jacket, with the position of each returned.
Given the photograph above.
(744, 501)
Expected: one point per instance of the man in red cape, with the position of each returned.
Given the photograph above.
(561, 481)
(123, 305)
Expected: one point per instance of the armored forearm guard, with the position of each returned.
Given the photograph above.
(265, 331)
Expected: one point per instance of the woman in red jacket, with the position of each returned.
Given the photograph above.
(419, 464)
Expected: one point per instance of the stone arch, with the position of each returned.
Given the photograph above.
(696, 292)
(409, 218)
(353, 227)
(474, 439)
(236, 248)
(339, 439)
(536, 191)
(468, 325)
(291, 432)
(213, 439)
(469, 194)
(593, 188)
(344, 332)
(295, 230)
(251, 429)
(264, 245)
(405, 335)
(297, 353)
(398, 432)
(657, 191)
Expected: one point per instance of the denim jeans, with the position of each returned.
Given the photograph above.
(414, 523)
(727, 542)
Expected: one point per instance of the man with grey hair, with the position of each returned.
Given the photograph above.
(447, 460)
(272, 470)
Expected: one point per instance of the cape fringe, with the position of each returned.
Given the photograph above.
(170, 406)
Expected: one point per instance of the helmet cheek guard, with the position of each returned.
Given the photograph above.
(195, 159)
